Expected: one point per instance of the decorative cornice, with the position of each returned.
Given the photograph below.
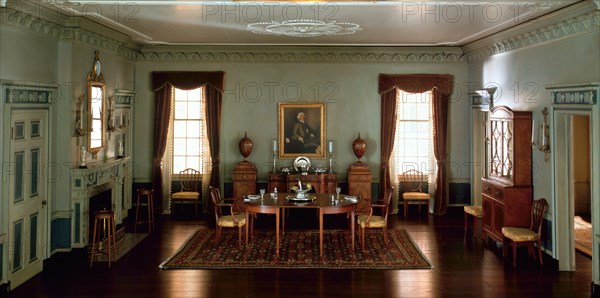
(56, 30)
(582, 24)
(30, 23)
(304, 54)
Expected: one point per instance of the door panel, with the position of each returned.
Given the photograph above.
(28, 153)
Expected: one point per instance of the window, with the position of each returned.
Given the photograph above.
(414, 133)
(187, 130)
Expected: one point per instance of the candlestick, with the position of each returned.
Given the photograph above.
(330, 146)
(274, 156)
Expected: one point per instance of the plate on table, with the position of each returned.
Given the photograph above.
(253, 197)
(353, 199)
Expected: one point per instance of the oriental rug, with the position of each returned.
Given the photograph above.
(298, 249)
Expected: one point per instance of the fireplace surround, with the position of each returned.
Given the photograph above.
(86, 183)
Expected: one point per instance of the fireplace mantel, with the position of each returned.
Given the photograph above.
(114, 174)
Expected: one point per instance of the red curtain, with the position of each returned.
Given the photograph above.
(441, 85)
(163, 84)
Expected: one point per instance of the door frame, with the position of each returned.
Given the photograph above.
(567, 101)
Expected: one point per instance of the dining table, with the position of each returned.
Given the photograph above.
(325, 203)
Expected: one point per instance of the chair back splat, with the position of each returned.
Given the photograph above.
(412, 181)
(189, 179)
(517, 236)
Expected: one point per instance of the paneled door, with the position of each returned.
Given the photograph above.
(27, 214)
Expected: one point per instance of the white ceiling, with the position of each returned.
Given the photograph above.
(382, 23)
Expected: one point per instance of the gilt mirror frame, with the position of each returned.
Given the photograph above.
(96, 107)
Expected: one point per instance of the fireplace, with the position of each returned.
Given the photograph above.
(106, 184)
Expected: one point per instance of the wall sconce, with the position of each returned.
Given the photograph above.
(110, 120)
(78, 119)
(487, 94)
(544, 145)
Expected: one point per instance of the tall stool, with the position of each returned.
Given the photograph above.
(106, 220)
(148, 193)
(476, 213)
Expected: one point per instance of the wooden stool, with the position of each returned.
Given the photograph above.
(148, 193)
(476, 213)
(106, 218)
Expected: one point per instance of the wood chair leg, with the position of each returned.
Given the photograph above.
(405, 208)
(514, 247)
(385, 236)
(466, 221)
(240, 236)
(218, 235)
(419, 209)
(539, 245)
(362, 241)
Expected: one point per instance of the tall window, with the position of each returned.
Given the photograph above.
(188, 130)
(413, 144)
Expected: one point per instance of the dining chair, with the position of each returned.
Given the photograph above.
(235, 219)
(412, 181)
(370, 221)
(527, 236)
(189, 179)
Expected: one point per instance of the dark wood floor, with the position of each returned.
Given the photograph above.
(463, 267)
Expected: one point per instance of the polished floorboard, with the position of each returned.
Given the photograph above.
(463, 267)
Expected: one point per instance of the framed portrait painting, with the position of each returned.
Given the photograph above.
(301, 130)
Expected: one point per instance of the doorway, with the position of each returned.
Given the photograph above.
(573, 187)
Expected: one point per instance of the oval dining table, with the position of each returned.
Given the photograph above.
(325, 203)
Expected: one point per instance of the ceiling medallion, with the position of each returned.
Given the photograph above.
(303, 28)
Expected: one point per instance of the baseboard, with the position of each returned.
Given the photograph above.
(595, 290)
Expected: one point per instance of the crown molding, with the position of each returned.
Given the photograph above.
(57, 26)
(578, 19)
(305, 54)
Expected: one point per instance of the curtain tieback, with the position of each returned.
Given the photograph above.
(158, 162)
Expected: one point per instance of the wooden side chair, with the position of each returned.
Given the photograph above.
(476, 213)
(412, 181)
(189, 178)
(368, 220)
(236, 218)
(527, 236)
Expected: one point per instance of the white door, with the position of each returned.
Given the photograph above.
(27, 194)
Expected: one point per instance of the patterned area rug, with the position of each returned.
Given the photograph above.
(298, 249)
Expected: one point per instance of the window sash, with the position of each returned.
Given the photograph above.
(187, 130)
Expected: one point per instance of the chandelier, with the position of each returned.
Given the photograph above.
(303, 28)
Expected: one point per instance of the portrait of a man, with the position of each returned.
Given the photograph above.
(301, 130)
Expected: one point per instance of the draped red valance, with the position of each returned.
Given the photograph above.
(187, 80)
(416, 83)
